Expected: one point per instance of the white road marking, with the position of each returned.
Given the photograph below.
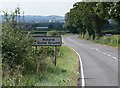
(114, 57)
(103, 53)
(81, 66)
(108, 55)
(96, 49)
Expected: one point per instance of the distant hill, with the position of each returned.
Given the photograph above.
(30, 18)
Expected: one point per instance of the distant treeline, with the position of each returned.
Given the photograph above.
(32, 18)
(50, 25)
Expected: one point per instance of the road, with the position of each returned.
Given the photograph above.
(100, 62)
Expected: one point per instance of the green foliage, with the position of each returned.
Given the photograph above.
(24, 65)
(13, 80)
(20, 58)
(18, 52)
(53, 33)
(109, 40)
(90, 17)
(16, 46)
(64, 74)
(115, 12)
(13, 19)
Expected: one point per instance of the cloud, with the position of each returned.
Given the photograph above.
(38, 8)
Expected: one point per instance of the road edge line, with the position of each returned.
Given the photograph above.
(81, 65)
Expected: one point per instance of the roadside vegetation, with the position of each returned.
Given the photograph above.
(23, 65)
(55, 33)
(113, 40)
(109, 40)
(64, 74)
(95, 20)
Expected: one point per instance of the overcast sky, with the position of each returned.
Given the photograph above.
(39, 7)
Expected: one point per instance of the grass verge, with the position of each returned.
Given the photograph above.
(113, 40)
(64, 74)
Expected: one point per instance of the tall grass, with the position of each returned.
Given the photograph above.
(113, 40)
(64, 74)
(109, 40)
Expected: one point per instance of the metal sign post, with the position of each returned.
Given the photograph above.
(35, 49)
(55, 61)
(48, 41)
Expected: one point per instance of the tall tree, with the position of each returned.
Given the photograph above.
(91, 16)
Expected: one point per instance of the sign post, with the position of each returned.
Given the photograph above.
(35, 49)
(55, 55)
(48, 41)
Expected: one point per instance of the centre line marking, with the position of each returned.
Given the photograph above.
(109, 55)
(114, 57)
(103, 53)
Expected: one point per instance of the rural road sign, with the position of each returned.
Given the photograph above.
(47, 41)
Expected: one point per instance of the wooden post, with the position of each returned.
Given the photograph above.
(35, 49)
(55, 55)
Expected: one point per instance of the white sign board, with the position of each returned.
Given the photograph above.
(47, 41)
(108, 34)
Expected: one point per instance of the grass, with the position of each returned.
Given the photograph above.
(64, 74)
(113, 40)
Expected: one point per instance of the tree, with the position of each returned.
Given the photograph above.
(89, 17)
(12, 19)
(115, 12)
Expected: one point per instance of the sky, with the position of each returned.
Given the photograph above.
(38, 7)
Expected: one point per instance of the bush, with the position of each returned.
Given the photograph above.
(111, 40)
(16, 47)
(114, 41)
(20, 58)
